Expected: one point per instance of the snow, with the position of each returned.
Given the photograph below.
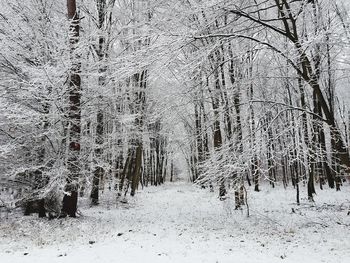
(180, 222)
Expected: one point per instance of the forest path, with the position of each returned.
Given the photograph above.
(182, 223)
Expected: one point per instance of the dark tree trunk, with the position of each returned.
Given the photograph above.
(99, 171)
(137, 169)
(98, 174)
(70, 203)
(199, 140)
(172, 171)
(256, 175)
(71, 198)
(216, 105)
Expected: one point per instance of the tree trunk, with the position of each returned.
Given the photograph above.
(70, 199)
(101, 53)
(137, 169)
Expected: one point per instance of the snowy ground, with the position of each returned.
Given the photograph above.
(182, 223)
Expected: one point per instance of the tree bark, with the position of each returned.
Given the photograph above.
(70, 199)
